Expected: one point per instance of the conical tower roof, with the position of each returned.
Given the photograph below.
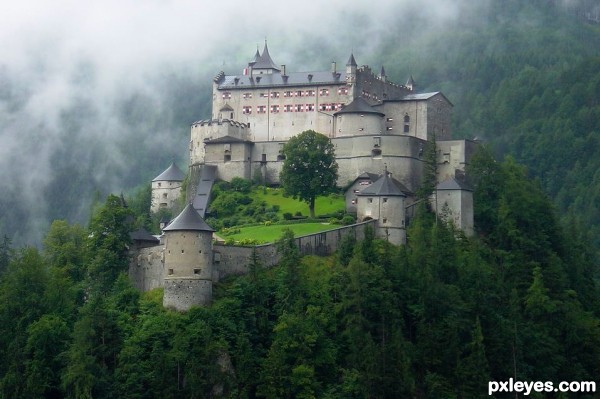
(189, 219)
(172, 173)
(453, 184)
(264, 61)
(384, 186)
(256, 57)
(351, 60)
(358, 106)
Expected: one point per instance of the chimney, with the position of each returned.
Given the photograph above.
(283, 69)
(333, 67)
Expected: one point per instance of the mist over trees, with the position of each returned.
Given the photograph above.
(82, 118)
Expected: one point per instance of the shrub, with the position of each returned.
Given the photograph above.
(348, 220)
(298, 213)
(287, 216)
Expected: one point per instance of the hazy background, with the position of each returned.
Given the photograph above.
(98, 97)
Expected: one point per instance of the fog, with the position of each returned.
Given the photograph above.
(98, 97)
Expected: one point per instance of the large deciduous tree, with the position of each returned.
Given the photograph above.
(309, 168)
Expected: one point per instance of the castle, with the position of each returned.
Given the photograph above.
(379, 129)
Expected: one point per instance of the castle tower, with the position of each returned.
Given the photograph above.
(453, 202)
(358, 118)
(188, 261)
(166, 188)
(384, 200)
(351, 68)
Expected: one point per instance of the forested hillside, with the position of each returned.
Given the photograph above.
(437, 318)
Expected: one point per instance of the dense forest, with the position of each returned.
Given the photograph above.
(437, 318)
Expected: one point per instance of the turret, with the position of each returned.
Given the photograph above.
(453, 202)
(410, 83)
(384, 200)
(166, 188)
(358, 118)
(351, 68)
(264, 63)
(188, 261)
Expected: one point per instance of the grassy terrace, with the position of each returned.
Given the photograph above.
(274, 196)
(273, 199)
(273, 232)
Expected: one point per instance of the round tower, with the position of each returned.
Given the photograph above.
(384, 200)
(188, 261)
(166, 188)
(358, 118)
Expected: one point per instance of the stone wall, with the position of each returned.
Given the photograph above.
(146, 268)
(234, 260)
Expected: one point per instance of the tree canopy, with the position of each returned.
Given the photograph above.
(309, 168)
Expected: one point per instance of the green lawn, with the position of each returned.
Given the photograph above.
(323, 205)
(272, 232)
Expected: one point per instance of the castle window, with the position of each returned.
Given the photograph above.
(287, 108)
(165, 195)
(247, 109)
(310, 107)
(385, 200)
(281, 157)
(389, 128)
(390, 119)
(264, 158)
(299, 93)
(406, 128)
(343, 90)
(163, 205)
(274, 94)
(159, 184)
(310, 93)
(376, 152)
(227, 158)
(261, 109)
(360, 129)
(446, 158)
(384, 220)
(324, 92)
(376, 141)
(182, 251)
(287, 94)
(227, 147)
(197, 271)
(370, 200)
(274, 108)
(247, 95)
(170, 272)
(406, 119)
(337, 107)
(227, 95)
(322, 107)
(298, 108)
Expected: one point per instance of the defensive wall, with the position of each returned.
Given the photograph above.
(147, 268)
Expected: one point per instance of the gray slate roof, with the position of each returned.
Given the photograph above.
(384, 186)
(264, 60)
(143, 235)
(359, 106)
(188, 219)
(351, 60)
(172, 173)
(453, 184)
